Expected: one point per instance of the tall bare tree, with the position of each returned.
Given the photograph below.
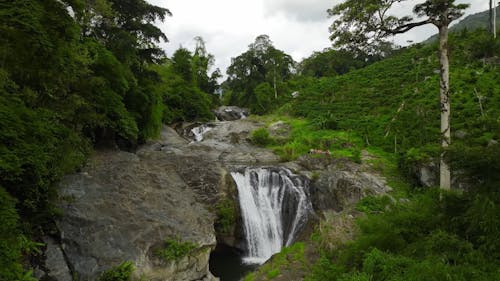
(366, 24)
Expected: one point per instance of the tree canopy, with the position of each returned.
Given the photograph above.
(73, 74)
(262, 63)
(365, 25)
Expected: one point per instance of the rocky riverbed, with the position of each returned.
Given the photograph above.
(122, 206)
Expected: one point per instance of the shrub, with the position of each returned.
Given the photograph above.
(261, 137)
(122, 272)
(226, 216)
(373, 204)
(273, 273)
(175, 249)
(435, 236)
(10, 243)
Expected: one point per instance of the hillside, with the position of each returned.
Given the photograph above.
(393, 103)
(470, 22)
(414, 233)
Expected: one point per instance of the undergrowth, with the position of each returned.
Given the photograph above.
(436, 236)
(122, 272)
(226, 216)
(306, 135)
(175, 249)
(289, 258)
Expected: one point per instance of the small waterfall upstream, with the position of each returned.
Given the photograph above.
(275, 206)
(199, 131)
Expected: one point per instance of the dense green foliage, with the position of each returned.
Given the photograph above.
(393, 103)
(175, 249)
(67, 82)
(76, 74)
(122, 272)
(261, 137)
(184, 91)
(256, 78)
(331, 62)
(433, 237)
(12, 242)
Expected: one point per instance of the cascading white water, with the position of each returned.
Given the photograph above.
(274, 205)
(199, 131)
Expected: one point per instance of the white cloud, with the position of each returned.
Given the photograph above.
(300, 10)
(297, 27)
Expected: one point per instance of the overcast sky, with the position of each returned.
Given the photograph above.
(298, 27)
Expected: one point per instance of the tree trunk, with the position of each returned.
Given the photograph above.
(444, 89)
(490, 26)
(494, 20)
(275, 88)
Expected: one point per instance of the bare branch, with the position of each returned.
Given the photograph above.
(406, 27)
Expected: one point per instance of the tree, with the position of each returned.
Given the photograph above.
(493, 18)
(332, 62)
(367, 23)
(261, 63)
(184, 100)
(202, 62)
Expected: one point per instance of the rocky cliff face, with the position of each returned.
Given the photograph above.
(340, 184)
(122, 206)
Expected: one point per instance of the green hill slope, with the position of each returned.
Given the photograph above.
(471, 22)
(429, 234)
(394, 103)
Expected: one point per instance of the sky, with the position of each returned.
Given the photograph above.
(298, 27)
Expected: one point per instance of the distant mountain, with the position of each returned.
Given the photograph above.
(471, 22)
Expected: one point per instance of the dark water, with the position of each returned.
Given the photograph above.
(225, 263)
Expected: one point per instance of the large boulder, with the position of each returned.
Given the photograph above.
(230, 113)
(122, 207)
(339, 183)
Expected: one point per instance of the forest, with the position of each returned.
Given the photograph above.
(78, 75)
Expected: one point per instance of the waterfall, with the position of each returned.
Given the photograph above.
(275, 206)
(199, 131)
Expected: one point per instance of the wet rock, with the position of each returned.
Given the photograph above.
(230, 113)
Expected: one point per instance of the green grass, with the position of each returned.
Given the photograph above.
(175, 249)
(122, 272)
(306, 135)
(290, 258)
(273, 273)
